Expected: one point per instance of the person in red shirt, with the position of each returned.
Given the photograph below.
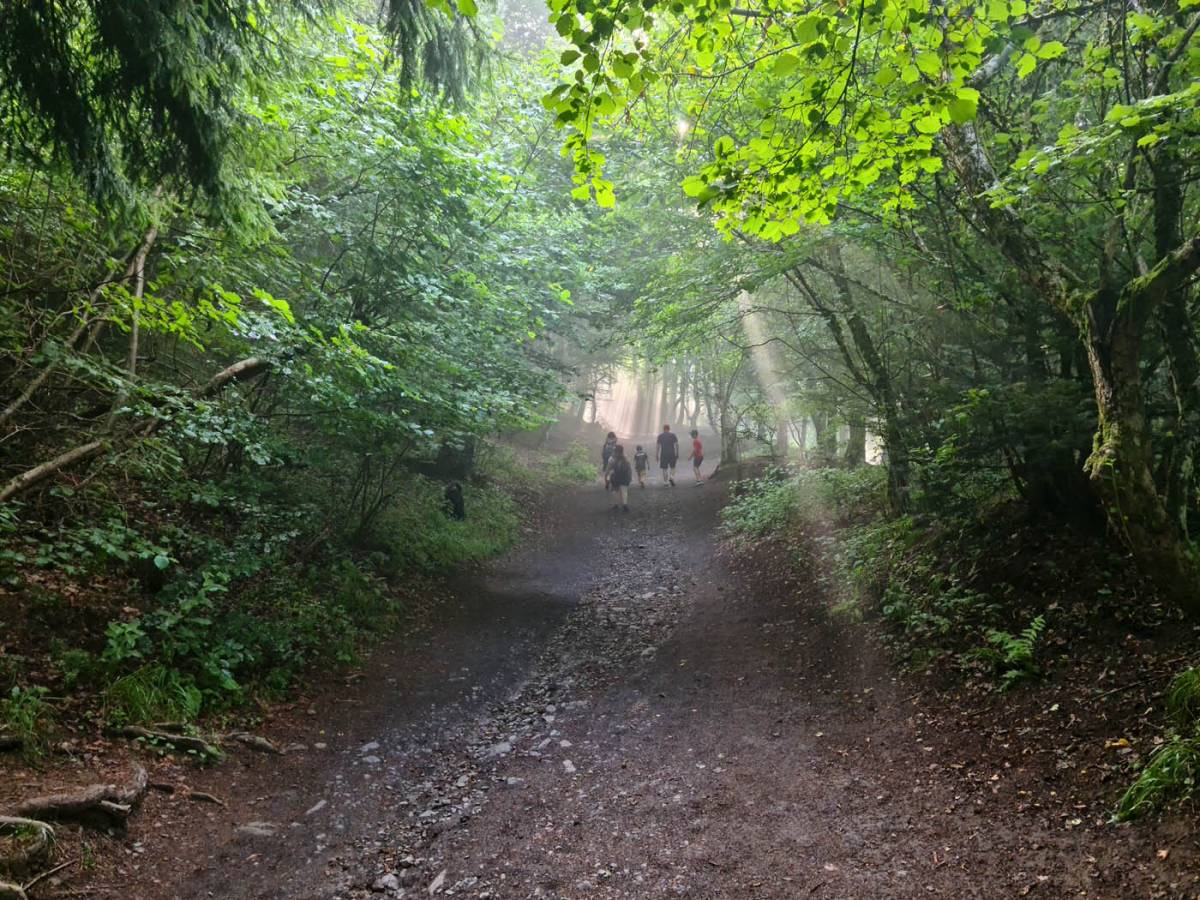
(697, 455)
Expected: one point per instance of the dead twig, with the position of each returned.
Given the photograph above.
(49, 872)
(203, 797)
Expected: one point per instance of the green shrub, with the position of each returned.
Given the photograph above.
(573, 466)
(762, 507)
(417, 535)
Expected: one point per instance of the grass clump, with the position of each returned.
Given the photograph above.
(26, 715)
(152, 694)
(1172, 772)
(1183, 698)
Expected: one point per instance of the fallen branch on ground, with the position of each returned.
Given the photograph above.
(10, 741)
(9, 891)
(103, 803)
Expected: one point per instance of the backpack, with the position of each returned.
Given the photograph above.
(621, 472)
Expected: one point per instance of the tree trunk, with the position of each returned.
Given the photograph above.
(825, 436)
(1179, 340)
(1112, 322)
(729, 436)
(856, 444)
(1121, 464)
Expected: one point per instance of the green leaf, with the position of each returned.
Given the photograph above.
(1027, 64)
(962, 110)
(929, 63)
(1052, 50)
(161, 561)
(785, 64)
(929, 124)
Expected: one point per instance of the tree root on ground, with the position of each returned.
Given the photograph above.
(253, 741)
(18, 855)
(199, 746)
(186, 793)
(180, 741)
(103, 805)
(10, 891)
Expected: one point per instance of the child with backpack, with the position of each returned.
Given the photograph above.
(606, 453)
(641, 463)
(620, 476)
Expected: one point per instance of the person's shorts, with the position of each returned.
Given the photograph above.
(698, 461)
(667, 462)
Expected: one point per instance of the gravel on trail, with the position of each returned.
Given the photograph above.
(618, 710)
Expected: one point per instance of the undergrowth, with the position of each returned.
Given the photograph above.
(971, 591)
(194, 602)
(27, 716)
(898, 567)
(1172, 772)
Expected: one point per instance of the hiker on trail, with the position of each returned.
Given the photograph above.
(697, 455)
(666, 451)
(619, 477)
(606, 453)
(641, 462)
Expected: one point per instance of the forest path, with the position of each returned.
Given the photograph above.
(618, 713)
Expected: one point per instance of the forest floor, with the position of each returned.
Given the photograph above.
(620, 708)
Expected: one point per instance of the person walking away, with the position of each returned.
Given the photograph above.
(606, 453)
(641, 462)
(666, 451)
(620, 477)
(697, 455)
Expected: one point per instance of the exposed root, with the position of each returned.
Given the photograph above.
(184, 742)
(253, 741)
(202, 797)
(100, 804)
(10, 891)
(27, 844)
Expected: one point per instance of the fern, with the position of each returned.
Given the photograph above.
(1012, 655)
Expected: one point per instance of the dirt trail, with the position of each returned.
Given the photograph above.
(618, 713)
